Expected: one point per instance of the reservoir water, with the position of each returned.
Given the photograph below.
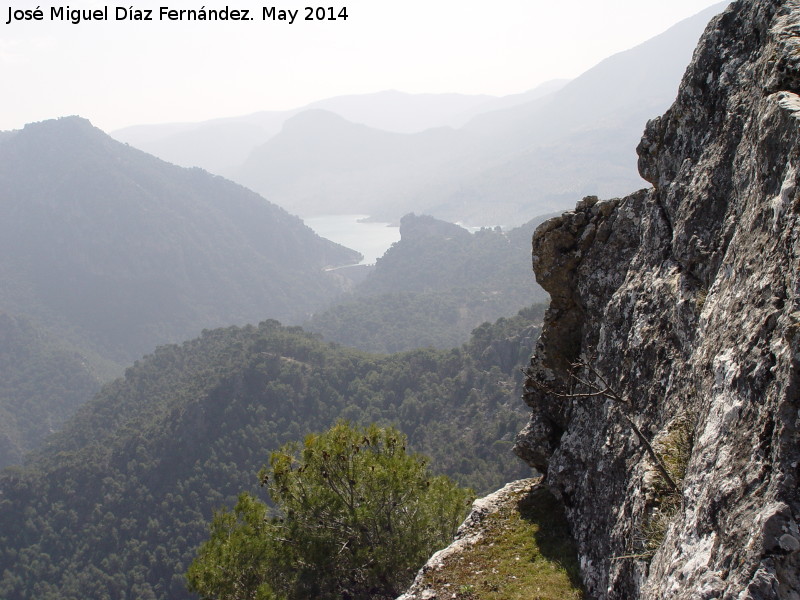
(371, 239)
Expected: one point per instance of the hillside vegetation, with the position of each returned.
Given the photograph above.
(433, 287)
(42, 382)
(120, 251)
(356, 515)
(107, 252)
(118, 501)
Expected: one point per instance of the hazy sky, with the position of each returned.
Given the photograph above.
(119, 73)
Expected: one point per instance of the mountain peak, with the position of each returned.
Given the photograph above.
(68, 125)
(132, 251)
(314, 120)
(418, 226)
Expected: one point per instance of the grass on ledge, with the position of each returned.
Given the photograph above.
(525, 553)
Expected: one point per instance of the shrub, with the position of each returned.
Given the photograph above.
(674, 450)
(356, 516)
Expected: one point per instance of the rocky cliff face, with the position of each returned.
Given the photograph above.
(685, 300)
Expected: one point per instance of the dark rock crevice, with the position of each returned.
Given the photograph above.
(686, 298)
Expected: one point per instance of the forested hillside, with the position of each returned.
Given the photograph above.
(118, 501)
(121, 251)
(107, 252)
(42, 382)
(433, 287)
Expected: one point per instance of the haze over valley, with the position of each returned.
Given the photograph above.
(479, 160)
(180, 299)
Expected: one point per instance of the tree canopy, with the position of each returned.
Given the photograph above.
(433, 287)
(356, 516)
(118, 502)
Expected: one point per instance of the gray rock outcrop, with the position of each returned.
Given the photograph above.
(685, 299)
(468, 534)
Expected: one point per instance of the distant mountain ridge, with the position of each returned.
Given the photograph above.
(221, 145)
(107, 252)
(320, 162)
(124, 251)
(503, 167)
(509, 161)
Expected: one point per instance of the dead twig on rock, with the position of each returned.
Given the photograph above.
(587, 382)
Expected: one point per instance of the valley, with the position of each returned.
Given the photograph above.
(225, 343)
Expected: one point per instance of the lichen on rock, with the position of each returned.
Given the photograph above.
(513, 545)
(686, 297)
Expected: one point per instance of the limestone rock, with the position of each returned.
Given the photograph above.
(686, 298)
(514, 543)
(468, 534)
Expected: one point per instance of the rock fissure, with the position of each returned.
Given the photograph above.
(687, 294)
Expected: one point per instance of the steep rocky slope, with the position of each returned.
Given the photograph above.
(512, 543)
(685, 299)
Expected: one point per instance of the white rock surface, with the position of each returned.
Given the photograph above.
(686, 297)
